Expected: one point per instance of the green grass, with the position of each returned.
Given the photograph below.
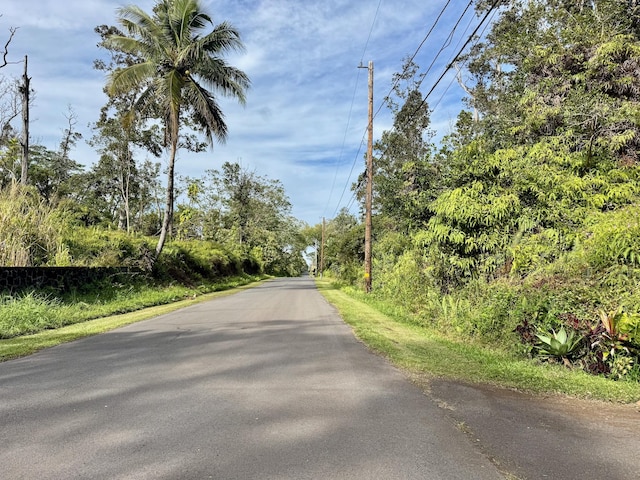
(425, 352)
(30, 311)
(36, 311)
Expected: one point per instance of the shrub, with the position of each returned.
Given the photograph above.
(613, 238)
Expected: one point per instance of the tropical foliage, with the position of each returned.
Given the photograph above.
(522, 224)
(166, 70)
(178, 65)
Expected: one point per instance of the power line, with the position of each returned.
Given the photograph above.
(448, 67)
(428, 34)
(346, 130)
(353, 165)
(446, 43)
(453, 79)
(414, 54)
(446, 70)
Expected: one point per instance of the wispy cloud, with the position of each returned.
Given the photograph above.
(306, 111)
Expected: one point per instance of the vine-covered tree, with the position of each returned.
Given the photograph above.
(405, 175)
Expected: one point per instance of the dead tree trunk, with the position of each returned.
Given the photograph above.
(24, 91)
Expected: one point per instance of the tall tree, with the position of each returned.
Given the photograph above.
(247, 212)
(404, 171)
(180, 65)
(116, 141)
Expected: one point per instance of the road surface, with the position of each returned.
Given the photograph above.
(267, 383)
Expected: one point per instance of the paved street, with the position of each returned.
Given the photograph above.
(267, 383)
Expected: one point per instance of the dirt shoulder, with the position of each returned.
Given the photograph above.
(544, 437)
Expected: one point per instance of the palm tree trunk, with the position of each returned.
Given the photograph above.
(168, 210)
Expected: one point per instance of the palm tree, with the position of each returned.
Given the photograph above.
(178, 70)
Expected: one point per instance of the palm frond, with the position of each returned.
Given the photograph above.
(136, 21)
(129, 45)
(146, 105)
(126, 79)
(206, 112)
(142, 27)
(217, 75)
(223, 39)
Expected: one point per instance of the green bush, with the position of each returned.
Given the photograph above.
(613, 238)
(398, 271)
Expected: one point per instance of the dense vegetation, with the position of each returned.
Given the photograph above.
(159, 100)
(521, 228)
(183, 237)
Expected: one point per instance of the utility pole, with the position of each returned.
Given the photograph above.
(24, 144)
(316, 265)
(369, 189)
(322, 250)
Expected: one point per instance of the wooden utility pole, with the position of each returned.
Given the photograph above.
(369, 189)
(24, 143)
(322, 249)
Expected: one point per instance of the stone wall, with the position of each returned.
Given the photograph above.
(63, 279)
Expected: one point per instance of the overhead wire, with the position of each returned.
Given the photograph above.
(353, 165)
(453, 79)
(413, 56)
(425, 38)
(450, 65)
(446, 43)
(355, 89)
(490, 11)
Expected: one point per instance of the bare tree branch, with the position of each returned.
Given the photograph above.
(9, 107)
(12, 32)
(467, 89)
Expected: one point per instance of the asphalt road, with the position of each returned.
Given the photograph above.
(268, 383)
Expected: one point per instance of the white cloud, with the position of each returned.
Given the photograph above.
(306, 111)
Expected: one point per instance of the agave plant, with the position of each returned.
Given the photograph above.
(560, 344)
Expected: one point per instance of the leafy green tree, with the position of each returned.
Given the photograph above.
(180, 64)
(344, 247)
(311, 236)
(557, 86)
(52, 173)
(405, 176)
(555, 67)
(253, 213)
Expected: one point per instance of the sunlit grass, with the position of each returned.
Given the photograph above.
(426, 352)
(33, 322)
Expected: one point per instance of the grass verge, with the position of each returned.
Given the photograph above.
(28, 344)
(421, 351)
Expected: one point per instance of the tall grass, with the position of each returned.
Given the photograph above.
(30, 229)
(33, 312)
(28, 313)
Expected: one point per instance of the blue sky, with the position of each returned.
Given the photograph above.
(305, 119)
